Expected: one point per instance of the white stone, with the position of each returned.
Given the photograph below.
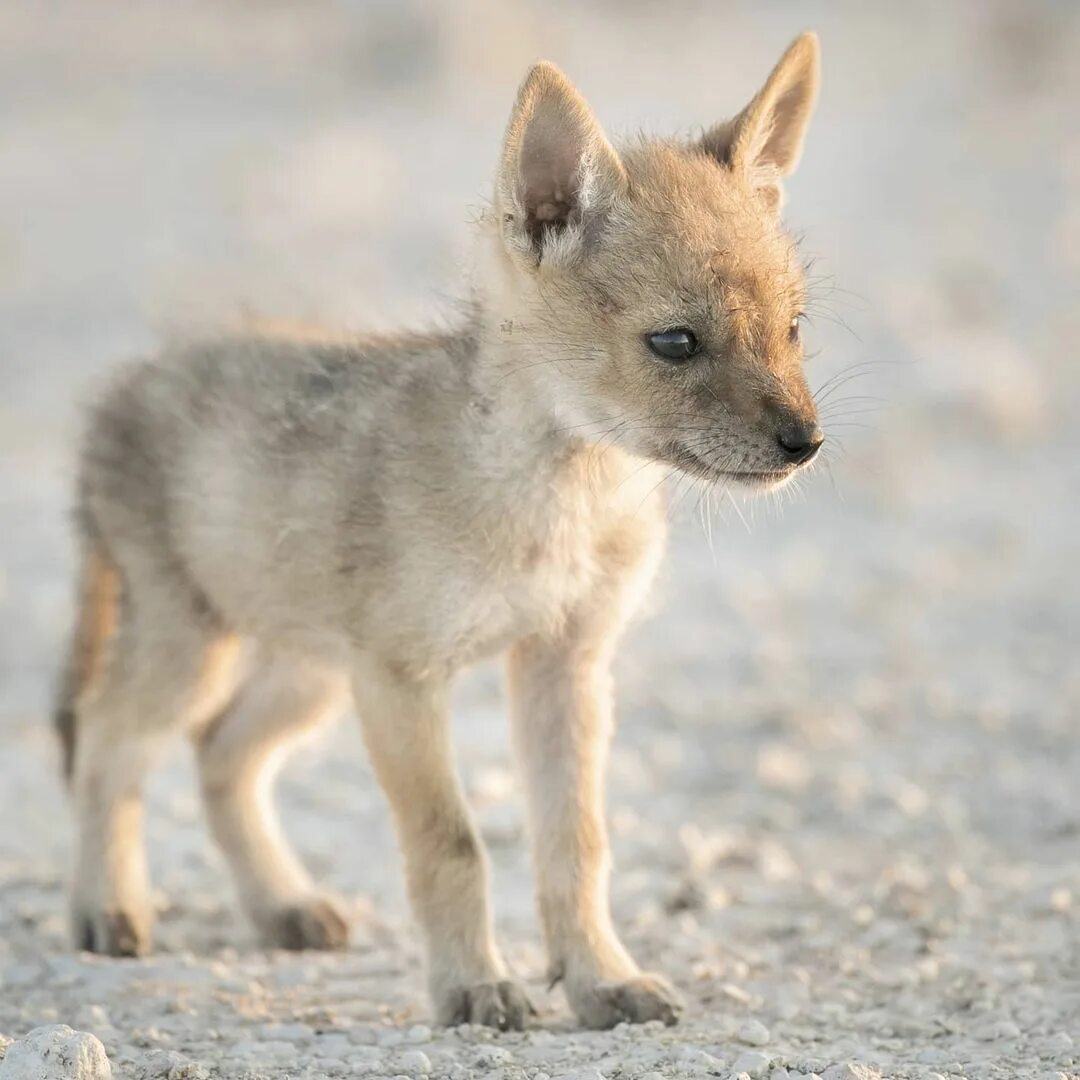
(56, 1052)
(1059, 1041)
(93, 1018)
(415, 1063)
(753, 1063)
(931, 1056)
(1061, 900)
(492, 1056)
(697, 1062)
(852, 1070)
(162, 1063)
(753, 1033)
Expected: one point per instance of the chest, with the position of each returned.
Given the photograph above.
(521, 575)
(484, 573)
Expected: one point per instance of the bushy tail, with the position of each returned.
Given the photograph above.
(95, 624)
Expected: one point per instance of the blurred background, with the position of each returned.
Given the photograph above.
(848, 743)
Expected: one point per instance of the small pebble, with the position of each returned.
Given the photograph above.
(415, 1063)
(753, 1033)
(753, 1063)
(697, 1062)
(863, 915)
(1061, 900)
(931, 1056)
(1060, 1040)
(492, 1056)
(852, 1070)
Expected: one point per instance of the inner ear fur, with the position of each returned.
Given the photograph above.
(558, 168)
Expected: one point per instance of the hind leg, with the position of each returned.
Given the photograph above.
(110, 893)
(167, 663)
(240, 754)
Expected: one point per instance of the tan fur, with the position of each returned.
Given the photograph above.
(293, 521)
(99, 597)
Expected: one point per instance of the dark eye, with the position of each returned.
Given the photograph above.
(673, 344)
(793, 329)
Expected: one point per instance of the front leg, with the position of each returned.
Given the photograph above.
(406, 728)
(562, 704)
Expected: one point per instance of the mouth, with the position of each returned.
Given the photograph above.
(758, 479)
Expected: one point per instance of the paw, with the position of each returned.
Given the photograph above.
(635, 1000)
(503, 1005)
(316, 922)
(112, 932)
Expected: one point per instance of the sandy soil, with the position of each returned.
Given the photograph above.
(845, 794)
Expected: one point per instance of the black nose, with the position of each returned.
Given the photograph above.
(800, 442)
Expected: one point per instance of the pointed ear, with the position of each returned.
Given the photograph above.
(765, 140)
(559, 177)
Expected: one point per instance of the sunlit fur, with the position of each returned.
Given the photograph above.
(689, 245)
(272, 526)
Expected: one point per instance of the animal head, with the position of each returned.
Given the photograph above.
(654, 286)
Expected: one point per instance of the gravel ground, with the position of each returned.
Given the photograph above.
(844, 794)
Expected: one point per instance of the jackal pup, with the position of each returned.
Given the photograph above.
(268, 526)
